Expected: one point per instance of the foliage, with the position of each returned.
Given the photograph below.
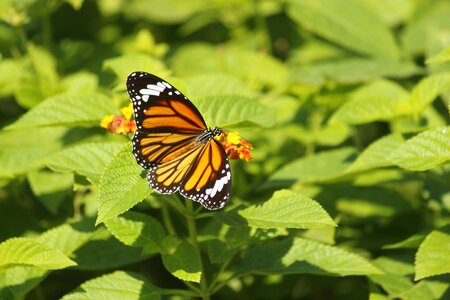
(346, 103)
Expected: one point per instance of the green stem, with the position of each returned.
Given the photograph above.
(192, 228)
(214, 283)
(167, 220)
(222, 283)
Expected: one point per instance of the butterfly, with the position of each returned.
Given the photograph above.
(173, 142)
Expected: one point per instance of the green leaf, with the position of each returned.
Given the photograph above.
(50, 188)
(184, 263)
(121, 185)
(25, 150)
(87, 159)
(215, 84)
(123, 66)
(25, 251)
(432, 257)
(376, 155)
(412, 242)
(428, 89)
(424, 151)
(139, 230)
(393, 284)
(319, 167)
(10, 73)
(379, 100)
(117, 285)
(67, 110)
(427, 289)
(80, 82)
(300, 256)
(232, 110)
(286, 209)
(346, 23)
(219, 252)
(440, 58)
(352, 70)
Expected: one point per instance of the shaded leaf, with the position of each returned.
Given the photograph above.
(184, 263)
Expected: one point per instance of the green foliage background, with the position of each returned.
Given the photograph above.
(345, 101)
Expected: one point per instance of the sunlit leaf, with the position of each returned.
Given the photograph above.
(184, 263)
(432, 257)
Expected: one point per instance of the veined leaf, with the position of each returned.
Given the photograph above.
(117, 285)
(376, 155)
(286, 209)
(319, 167)
(428, 89)
(184, 263)
(67, 110)
(300, 256)
(433, 258)
(139, 230)
(230, 110)
(25, 251)
(121, 186)
(10, 73)
(346, 23)
(424, 151)
(380, 100)
(87, 159)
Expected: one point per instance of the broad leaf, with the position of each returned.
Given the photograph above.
(117, 285)
(231, 110)
(424, 151)
(121, 185)
(67, 110)
(300, 256)
(428, 89)
(286, 209)
(123, 66)
(87, 159)
(440, 58)
(433, 258)
(216, 84)
(346, 23)
(25, 251)
(380, 100)
(139, 230)
(319, 167)
(376, 155)
(184, 263)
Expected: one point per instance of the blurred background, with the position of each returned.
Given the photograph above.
(329, 78)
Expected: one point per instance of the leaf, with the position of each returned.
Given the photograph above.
(231, 110)
(300, 256)
(376, 155)
(427, 289)
(352, 70)
(286, 209)
(87, 159)
(139, 230)
(25, 150)
(432, 257)
(67, 110)
(424, 151)
(25, 251)
(123, 66)
(325, 165)
(219, 252)
(50, 188)
(393, 284)
(346, 23)
(80, 82)
(440, 58)
(428, 89)
(10, 73)
(121, 186)
(184, 263)
(216, 84)
(411, 242)
(117, 285)
(379, 100)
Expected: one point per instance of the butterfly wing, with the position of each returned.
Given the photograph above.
(167, 122)
(202, 174)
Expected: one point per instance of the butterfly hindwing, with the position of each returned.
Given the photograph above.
(160, 107)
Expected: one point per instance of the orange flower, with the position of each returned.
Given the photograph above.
(235, 146)
(120, 124)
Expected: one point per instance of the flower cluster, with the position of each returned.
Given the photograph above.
(235, 146)
(120, 124)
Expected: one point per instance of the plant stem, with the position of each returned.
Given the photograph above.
(167, 221)
(192, 228)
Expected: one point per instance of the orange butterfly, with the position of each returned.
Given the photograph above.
(173, 142)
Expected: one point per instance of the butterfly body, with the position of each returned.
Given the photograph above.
(173, 142)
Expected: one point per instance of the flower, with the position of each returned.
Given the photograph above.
(120, 124)
(235, 146)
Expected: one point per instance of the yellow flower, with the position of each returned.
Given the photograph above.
(106, 121)
(233, 138)
(127, 111)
